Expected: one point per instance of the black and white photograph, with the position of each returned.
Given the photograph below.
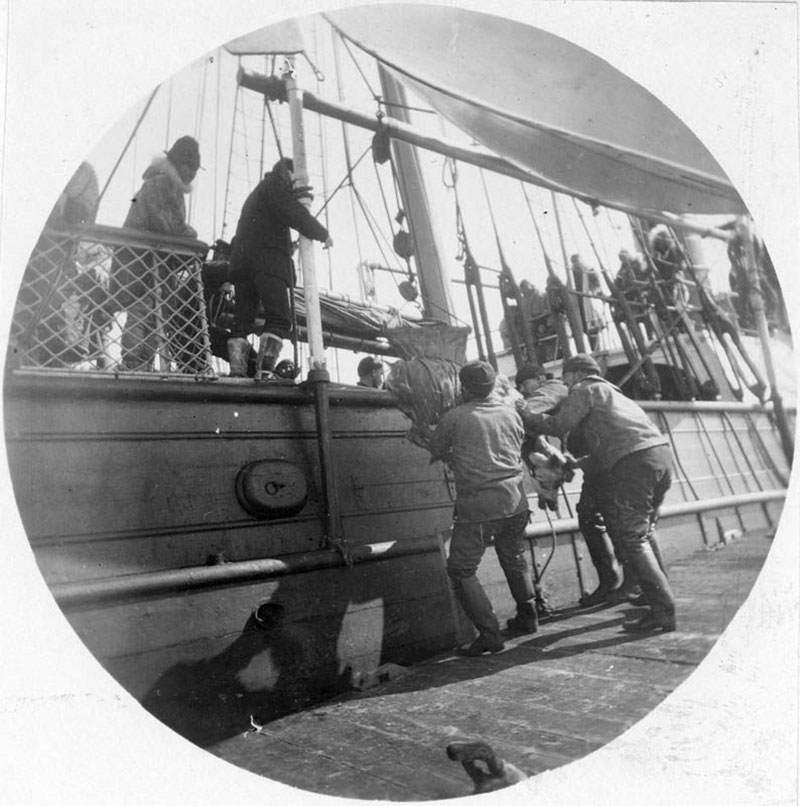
(399, 402)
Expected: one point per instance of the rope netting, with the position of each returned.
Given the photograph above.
(96, 301)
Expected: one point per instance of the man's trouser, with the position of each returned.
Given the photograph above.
(272, 291)
(467, 546)
(634, 492)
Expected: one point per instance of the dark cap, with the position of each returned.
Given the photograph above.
(185, 151)
(283, 164)
(528, 371)
(582, 362)
(477, 377)
(368, 365)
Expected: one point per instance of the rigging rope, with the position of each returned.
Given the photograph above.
(230, 159)
(169, 117)
(127, 145)
(217, 118)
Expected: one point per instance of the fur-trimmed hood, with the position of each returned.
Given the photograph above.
(162, 165)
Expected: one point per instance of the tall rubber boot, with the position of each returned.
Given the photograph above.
(237, 357)
(269, 349)
(521, 586)
(473, 599)
(656, 589)
(601, 552)
(641, 599)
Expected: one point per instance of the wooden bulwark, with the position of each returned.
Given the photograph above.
(127, 490)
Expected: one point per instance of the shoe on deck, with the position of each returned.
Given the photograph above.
(651, 623)
(623, 595)
(522, 625)
(598, 596)
(480, 645)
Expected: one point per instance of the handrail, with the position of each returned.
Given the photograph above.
(124, 236)
(154, 583)
(155, 386)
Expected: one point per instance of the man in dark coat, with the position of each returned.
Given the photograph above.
(261, 264)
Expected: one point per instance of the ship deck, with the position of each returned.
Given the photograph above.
(546, 700)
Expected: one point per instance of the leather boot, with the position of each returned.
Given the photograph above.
(473, 599)
(655, 588)
(521, 586)
(237, 357)
(526, 621)
(649, 622)
(602, 555)
(269, 349)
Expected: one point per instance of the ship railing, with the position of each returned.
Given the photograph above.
(107, 299)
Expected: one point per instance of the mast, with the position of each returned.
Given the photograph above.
(318, 376)
(434, 282)
(317, 358)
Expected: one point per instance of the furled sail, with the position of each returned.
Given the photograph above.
(546, 105)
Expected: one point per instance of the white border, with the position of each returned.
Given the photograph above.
(71, 735)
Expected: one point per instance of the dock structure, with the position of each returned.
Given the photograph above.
(546, 700)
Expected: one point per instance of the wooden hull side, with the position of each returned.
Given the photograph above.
(127, 488)
(151, 485)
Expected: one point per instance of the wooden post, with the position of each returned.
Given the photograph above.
(310, 287)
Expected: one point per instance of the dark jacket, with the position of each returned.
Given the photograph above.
(263, 242)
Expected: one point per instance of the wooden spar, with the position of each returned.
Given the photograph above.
(745, 233)
(469, 155)
(318, 375)
(310, 287)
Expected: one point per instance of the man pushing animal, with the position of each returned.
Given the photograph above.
(481, 440)
(632, 461)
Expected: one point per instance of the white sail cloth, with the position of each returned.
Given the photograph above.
(546, 105)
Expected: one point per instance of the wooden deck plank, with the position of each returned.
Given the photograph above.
(548, 699)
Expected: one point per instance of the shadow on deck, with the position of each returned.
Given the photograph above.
(546, 700)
